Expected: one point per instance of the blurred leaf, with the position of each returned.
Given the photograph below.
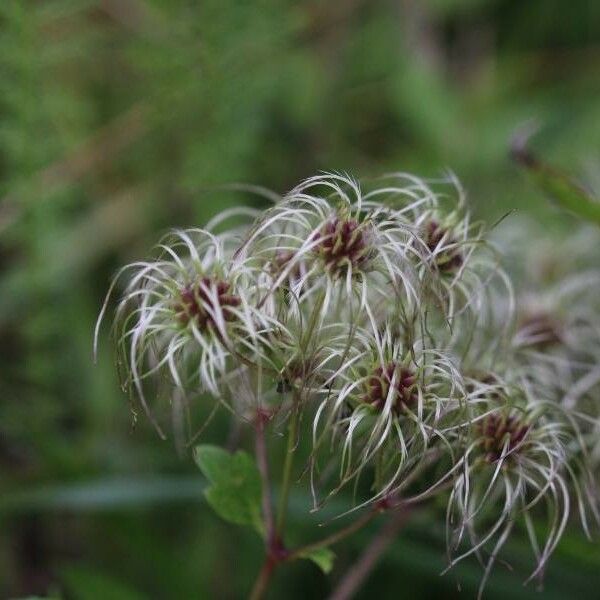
(40, 598)
(104, 494)
(322, 557)
(236, 491)
(84, 583)
(556, 183)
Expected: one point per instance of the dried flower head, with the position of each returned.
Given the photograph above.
(388, 408)
(189, 314)
(445, 249)
(342, 245)
(379, 314)
(501, 435)
(392, 379)
(204, 301)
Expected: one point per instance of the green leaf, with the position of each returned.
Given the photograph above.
(568, 194)
(555, 183)
(214, 462)
(235, 491)
(322, 557)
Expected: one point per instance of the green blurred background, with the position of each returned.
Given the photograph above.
(118, 118)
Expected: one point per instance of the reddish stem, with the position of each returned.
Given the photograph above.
(359, 572)
(262, 581)
(263, 466)
(275, 551)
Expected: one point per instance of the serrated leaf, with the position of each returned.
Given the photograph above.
(322, 557)
(235, 491)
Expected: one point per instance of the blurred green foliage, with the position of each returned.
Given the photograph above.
(121, 118)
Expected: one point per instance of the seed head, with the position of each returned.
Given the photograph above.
(400, 379)
(501, 434)
(540, 329)
(203, 301)
(441, 243)
(387, 315)
(343, 245)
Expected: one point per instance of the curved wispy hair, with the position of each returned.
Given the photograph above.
(555, 349)
(188, 315)
(561, 319)
(328, 243)
(458, 266)
(557, 308)
(519, 461)
(380, 314)
(387, 410)
(481, 337)
(571, 387)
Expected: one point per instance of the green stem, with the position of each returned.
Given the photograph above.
(293, 426)
(262, 462)
(287, 467)
(336, 537)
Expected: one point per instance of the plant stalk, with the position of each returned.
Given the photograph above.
(262, 581)
(263, 467)
(360, 571)
(286, 480)
(336, 537)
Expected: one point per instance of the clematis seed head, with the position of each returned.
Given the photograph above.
(343, 244)
(442, 244)
(541, 329)
(402, 381)
(501, 435)
(202, 301)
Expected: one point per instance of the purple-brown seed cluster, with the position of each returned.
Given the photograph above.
(449, 259)
(487, 379)
(541, 329)
(201, 301)
(297, 372)
(342, 245)
(501, 434)
(404, 387)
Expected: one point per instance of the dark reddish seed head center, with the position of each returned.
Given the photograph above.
(399, 380)
(342, 245)
(448, 257)
(202, 301)
(501, 434)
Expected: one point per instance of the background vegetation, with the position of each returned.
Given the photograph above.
(117, 120)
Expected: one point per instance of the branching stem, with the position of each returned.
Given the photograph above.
(336, 537)
(276, 553)
(263, 579)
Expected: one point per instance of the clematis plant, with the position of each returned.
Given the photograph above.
(376, 326)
